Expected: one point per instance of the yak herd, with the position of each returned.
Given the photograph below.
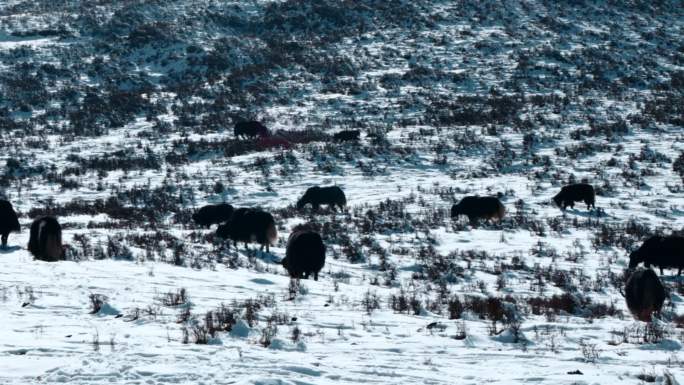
(305, 251)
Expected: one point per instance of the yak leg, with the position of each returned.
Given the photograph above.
(306, 275)
(661, 271)
(4, 240)
(315, 276)
(679, 272)
(472, 220)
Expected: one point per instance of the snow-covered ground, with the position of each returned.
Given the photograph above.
(51, 335)
(452, 99)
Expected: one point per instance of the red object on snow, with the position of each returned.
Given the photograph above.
(273, 141)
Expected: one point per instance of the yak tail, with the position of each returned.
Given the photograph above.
(33, 245)
(343, 200)
(501, 212)
(53, 247)
(271, 234)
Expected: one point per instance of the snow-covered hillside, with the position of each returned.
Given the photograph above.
(117, 117)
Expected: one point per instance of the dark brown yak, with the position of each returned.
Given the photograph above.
(645, 294)
(248, 225)
(578, 192)
(8, 221)
(305, 254)
(250, 129)
(347, 135)
(316, 196)
(45, 242)
(476, 207)
(213, 214)
(664, 252)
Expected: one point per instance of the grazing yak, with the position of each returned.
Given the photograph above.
(316, 196)
(305, 254)
(476, 207)
(660, 251)
(578, 192)
(8, 221)
(347, 135)
(213, 214)
(250, 129)
(248, 225)
(644, 293)
(45, 242)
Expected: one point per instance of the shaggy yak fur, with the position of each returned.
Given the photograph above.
(45, 242)
(645, 294)
(305, 254)
(578, 192)
(316, 196)
(213, 214)
(476, 207)
(347, 135)
(8, 221)
(664, 252)
(250, 129)
(249, 225)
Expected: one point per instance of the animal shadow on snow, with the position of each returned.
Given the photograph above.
(261, 255)
(9, 249)
(593, 213)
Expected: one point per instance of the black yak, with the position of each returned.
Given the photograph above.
(250, 129)
(578, 192)
(213, 214)
(248, 225)
(316, 196)
(8, 221)
(476, 207)
(347, 135)
(645, 294)
(660, 251)
(45, 242)
(305, 254)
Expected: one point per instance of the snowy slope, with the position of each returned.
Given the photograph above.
(119, 121)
